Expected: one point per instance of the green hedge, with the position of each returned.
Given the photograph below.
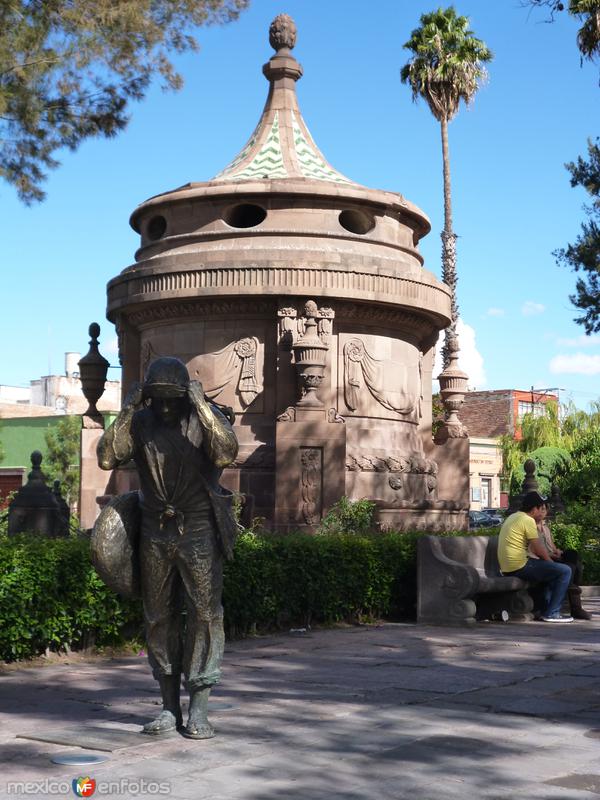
(300, 580)
(50, 595)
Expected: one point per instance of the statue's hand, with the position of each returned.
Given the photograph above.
(133, 397)
(196, 393)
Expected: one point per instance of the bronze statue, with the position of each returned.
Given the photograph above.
(180, 443)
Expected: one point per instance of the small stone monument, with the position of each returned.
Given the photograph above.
(530, 484)
(93, 368)
(35, 508)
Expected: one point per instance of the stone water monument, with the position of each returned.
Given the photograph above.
(299, 298)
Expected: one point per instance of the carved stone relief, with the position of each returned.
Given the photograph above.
(235, 364)
(308, 336)
(311, 462)
(396, 462)
(292, 325)
(395, 384)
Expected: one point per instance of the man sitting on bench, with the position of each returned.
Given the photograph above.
(518, 534)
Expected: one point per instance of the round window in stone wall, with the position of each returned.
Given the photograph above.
(356, 221)
(156, 228)
(246, 215)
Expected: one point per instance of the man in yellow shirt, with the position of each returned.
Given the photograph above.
(518, 536)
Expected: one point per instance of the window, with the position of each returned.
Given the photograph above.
(537, 409)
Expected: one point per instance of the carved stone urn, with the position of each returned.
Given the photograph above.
(310, 354)
(93, 368)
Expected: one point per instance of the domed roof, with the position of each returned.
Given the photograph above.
(281, 157)
(281, 145)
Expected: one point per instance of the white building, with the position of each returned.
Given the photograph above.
(57, 394)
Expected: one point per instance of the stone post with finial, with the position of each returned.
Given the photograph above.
(530, 484)
(34, 509)
(93, 368)
(452, 435)
(453, 387)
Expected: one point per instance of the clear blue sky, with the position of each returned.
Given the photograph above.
(513, 203)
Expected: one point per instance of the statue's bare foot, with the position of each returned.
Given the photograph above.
(198, 728)
(164, 723)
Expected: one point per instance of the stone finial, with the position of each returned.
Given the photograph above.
(453, 386)
(282, 33)
(36, 463)
(93, 368)
(530, 483)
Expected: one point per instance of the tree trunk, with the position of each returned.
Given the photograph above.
(448, 244)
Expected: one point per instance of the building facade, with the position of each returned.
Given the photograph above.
(488, 416)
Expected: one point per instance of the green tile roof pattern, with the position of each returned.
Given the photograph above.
(240, 156)
(269, 160)
(312, 163)
(267, 163)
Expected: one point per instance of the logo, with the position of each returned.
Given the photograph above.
(84, 787)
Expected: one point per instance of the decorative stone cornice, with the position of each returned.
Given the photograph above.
(303, 280)
(201, 308)
(417, 324)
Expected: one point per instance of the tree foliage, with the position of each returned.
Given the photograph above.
(512, 459)
(447, 66)
(550, 463)
(582, 480)
(447, 63)
(69, 70)
(549, 440)
(588, 14)
(61, 460)
(543, 431)
(583, 255)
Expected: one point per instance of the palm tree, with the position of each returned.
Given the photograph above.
(447, 66)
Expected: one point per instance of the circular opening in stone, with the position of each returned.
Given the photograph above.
(156, 228)
(356, 221)
(246, 215)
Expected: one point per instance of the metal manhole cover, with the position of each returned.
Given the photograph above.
(77, 760)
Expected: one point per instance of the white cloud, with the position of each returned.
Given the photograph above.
(579, 341)
(112, 346)
(576, 364)
(530, 309)
(495, 312)
(469, 358)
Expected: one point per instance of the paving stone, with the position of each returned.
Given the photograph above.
(391, 711)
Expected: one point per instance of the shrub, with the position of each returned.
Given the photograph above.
(349, 516)
(50, 596)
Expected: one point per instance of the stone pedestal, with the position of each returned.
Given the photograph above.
(309, 452)
(94, 482)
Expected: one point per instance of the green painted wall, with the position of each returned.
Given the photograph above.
(22, 435)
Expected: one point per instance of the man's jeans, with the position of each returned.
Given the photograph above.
(554, 576)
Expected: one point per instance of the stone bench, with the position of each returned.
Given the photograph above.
(459, 581)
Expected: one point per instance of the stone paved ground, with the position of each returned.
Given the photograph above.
(392, 711)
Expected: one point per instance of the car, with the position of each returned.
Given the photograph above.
(477, 519)
(497, 514)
